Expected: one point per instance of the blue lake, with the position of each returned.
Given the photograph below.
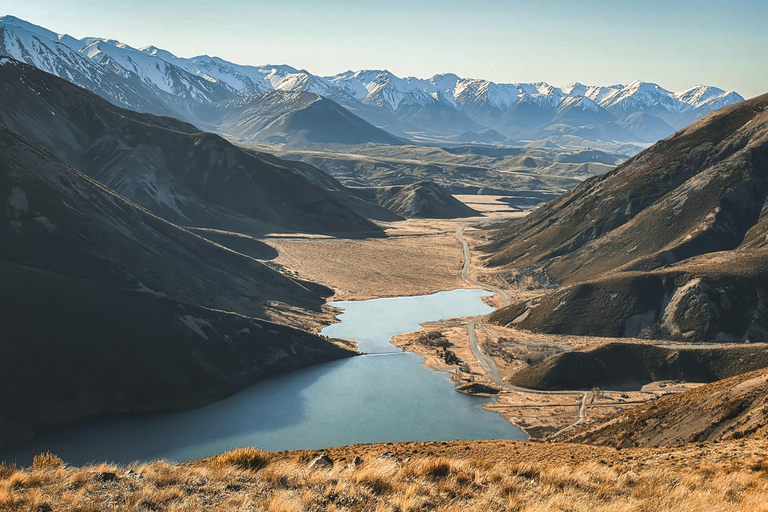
(386, 396)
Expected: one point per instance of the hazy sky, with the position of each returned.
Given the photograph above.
(676, 44)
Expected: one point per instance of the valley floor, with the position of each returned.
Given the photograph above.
(422, 256)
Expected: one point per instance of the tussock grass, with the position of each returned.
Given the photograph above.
(243, 458)
(249, 479)
(46, 460)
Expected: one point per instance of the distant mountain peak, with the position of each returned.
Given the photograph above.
(446, 103)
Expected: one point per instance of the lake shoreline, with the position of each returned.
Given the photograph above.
(292, 410)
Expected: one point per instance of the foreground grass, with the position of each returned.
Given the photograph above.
(249, 479)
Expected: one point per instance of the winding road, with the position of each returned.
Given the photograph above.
(489, 365)
(486, 361)
(465, 267)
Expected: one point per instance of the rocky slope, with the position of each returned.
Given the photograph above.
(670, 244)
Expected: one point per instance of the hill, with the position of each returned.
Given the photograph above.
(293, 120)
(418, 200)
(630, 366)
(166, 166)
(670, 244)
(732, 408)
(108, 308)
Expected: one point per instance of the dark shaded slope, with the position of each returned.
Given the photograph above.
(190, 178)
(295, 119)
(60, 220)
(107, 308)
(632, 365)
(670, 244)
(73, 349)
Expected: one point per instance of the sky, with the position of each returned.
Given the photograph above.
(676, 44)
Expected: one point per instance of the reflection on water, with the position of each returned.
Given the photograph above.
(371, 398)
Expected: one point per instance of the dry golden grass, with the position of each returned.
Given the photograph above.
(523, 477)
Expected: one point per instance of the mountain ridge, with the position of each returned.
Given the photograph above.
(167, 166)
(436, 106)
(670, 244)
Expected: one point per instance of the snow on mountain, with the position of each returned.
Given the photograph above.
(246, 80)
(707, 98)
(154, 80)
(153, 71)
(501, 96)
(581, 102)
(640, 96)
(40, 31)
(593, 92)
(383, 89)
(46, 51)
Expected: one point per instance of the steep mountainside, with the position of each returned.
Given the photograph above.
(108, 308)
(153, 80)
(59, 56)
(733, 408)
(168, 167)
(419, 200)
(680, 229)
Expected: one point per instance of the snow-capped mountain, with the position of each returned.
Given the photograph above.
(59, 55)
(154, 80)
(154, 72)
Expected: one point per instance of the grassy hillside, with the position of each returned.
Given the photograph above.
(733, 408)
(408, 477)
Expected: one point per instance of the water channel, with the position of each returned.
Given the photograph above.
(385, 396)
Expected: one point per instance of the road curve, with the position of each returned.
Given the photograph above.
(465, 266)
(485, 360)
(582, 417)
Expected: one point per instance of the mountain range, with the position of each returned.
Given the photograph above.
(208, 91)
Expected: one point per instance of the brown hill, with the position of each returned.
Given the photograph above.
(630, 366)
(670, 244)
(425, 200)
(166, 166)
(728, 409)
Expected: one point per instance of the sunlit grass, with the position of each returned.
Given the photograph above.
(249, 479)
